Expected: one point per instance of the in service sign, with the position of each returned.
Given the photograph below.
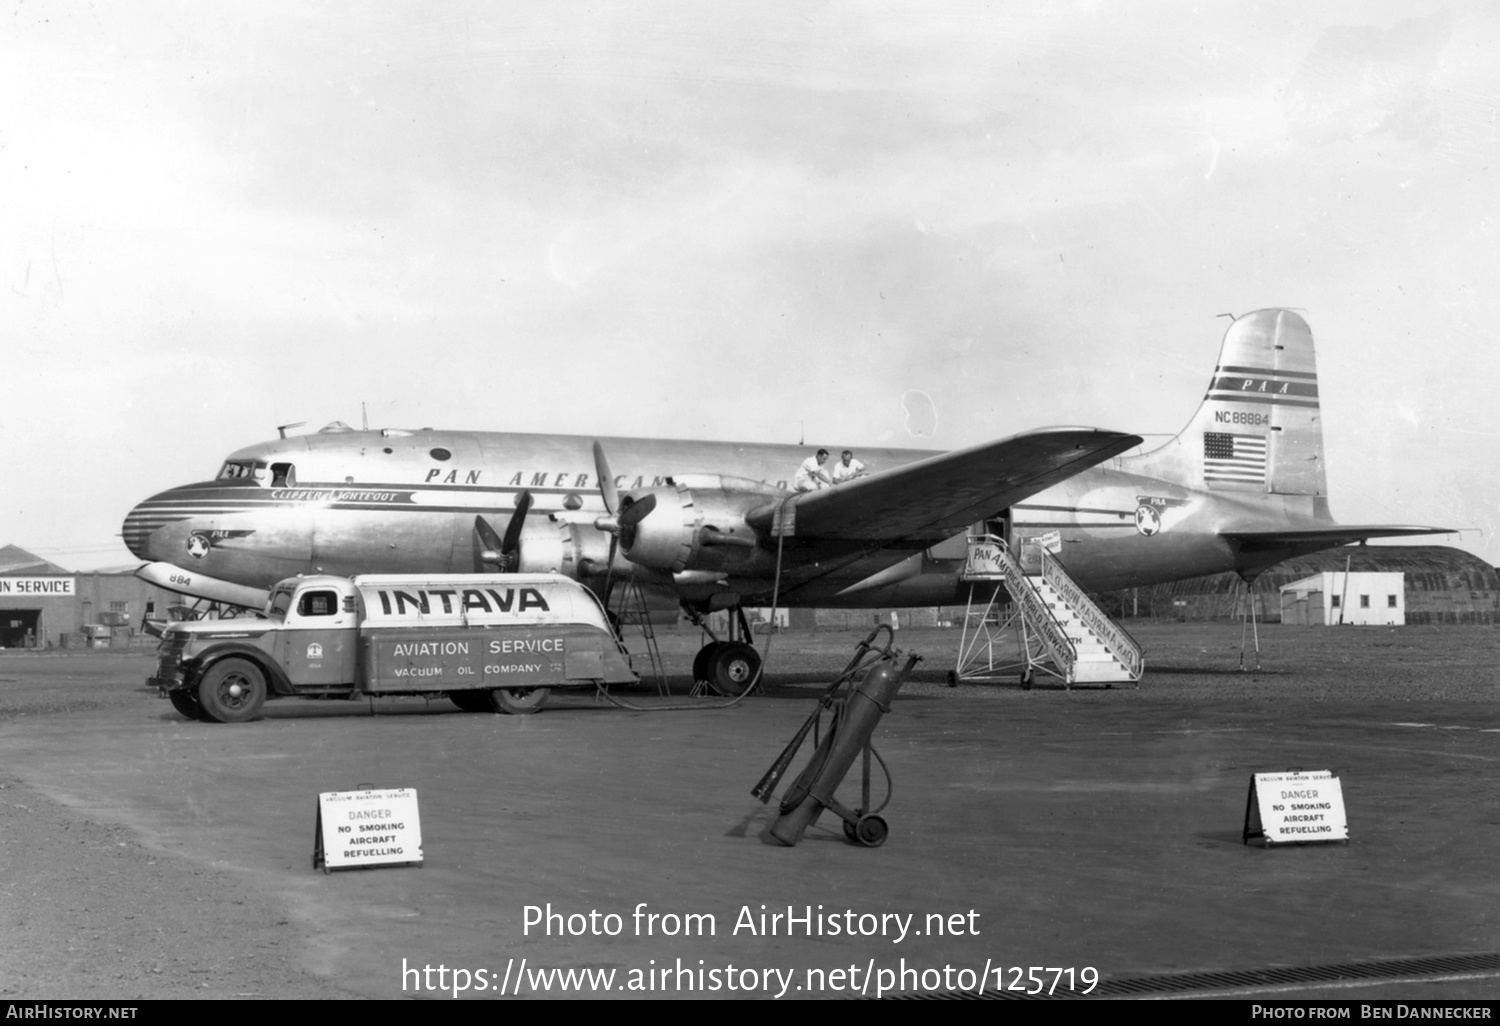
(361, 829)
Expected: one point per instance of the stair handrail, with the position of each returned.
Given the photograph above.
(1115, 637)
(1038, 614)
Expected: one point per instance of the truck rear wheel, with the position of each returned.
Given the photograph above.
(232, 691)
(519, 701)
(472, 701)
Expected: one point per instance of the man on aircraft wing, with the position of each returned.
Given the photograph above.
(810, 475)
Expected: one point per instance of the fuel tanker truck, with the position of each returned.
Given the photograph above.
(489, 642)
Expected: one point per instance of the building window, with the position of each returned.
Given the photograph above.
(1390, 602)
(1334, 601)
(1364, 602)
(119, 607)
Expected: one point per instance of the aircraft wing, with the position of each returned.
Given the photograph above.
(1323, 537)
(935, 498)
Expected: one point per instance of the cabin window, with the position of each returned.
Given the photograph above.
(318, 603)
(283, 475)
(441, 454)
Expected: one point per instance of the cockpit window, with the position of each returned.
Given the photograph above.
(242, 470)
(283, 475)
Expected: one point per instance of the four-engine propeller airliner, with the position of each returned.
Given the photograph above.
(714, 525)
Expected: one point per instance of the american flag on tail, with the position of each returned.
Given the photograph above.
(1234, 459)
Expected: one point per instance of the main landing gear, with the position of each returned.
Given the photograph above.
(730, 667)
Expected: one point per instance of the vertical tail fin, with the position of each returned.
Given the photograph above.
(1259, 428)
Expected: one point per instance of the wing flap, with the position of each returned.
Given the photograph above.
(937, 497)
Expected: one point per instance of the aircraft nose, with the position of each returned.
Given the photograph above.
(138, 527)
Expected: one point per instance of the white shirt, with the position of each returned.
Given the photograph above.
(811, 476)
(847, 471)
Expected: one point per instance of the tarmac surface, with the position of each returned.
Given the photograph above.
(1095, 833)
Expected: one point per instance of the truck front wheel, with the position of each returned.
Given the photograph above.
(185, 701)
(519, 701)
(232, 691)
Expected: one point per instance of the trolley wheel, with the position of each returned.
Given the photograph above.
(732, 669)
(519, 701)
(871, 831)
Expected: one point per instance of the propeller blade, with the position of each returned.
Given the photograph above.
(511, 544)
(637, 511)
(486, 545)
(606, 479)
(486, 534)
(632, 515)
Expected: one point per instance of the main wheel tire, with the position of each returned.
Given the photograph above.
(733, 668)
(472, 701)
(871, 831)
(232, 691)
(702, 660)
(518, 701)
(186, 702)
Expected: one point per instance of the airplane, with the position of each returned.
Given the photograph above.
(714, 525)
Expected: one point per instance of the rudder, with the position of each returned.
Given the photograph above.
(1260, 424)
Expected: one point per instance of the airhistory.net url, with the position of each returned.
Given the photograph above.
(867, 980)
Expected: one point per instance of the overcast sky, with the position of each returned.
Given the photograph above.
(924, 224)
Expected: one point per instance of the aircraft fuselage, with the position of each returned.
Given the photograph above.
(352, 502)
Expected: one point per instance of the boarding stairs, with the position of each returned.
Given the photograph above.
(1057, 629)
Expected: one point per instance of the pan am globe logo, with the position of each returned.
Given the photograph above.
(199, 542)
(1147, 520)
(1153, 511)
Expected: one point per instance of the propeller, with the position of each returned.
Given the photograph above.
(504, 553)
(617, 520)
(607, 489)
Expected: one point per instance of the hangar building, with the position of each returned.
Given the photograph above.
(1443, 585)
(1334, 597)
(43, 605)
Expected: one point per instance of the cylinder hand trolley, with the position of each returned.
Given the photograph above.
(856, 712)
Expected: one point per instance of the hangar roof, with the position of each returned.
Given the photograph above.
(16, 561)
(1427, 567)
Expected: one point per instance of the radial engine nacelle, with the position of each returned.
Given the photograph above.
(697, 523)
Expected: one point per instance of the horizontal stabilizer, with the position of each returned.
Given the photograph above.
(1324, 537)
